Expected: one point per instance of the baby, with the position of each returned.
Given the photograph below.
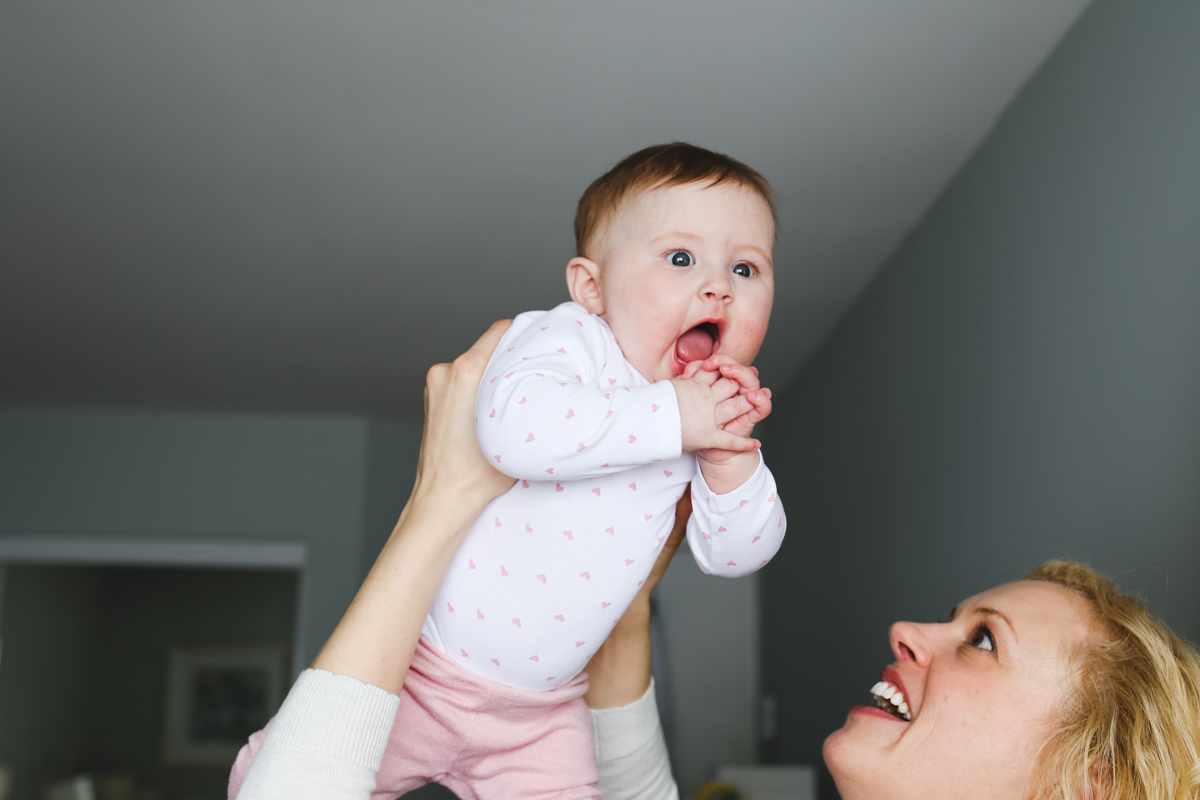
(601, 410)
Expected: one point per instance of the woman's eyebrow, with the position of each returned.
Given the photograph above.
(993, 612)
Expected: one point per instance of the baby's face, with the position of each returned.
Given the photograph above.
(686, 271)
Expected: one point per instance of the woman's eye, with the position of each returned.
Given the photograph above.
(982, 638)
(745, 270)
(681, 258)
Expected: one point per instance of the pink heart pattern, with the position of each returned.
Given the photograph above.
(541, 578)
(628, 561)
(569, 535)
(596, 491)
(528, 528)
(479, 613)
(496, 661)
(503, 572)
(610, 531)
(560, 618)
(450, 607)
(529, 438)
(516, 622)
(570, 413)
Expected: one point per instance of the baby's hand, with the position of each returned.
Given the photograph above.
(745, 377)
(708, 402)
(741, 412)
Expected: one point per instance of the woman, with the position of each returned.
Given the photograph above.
(1052, 687)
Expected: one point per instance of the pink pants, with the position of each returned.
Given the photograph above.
(481, 740)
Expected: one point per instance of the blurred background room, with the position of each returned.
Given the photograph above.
(235, 235)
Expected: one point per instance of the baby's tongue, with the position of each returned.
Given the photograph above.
(695, 345)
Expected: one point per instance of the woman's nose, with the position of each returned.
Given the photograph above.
(911, 642)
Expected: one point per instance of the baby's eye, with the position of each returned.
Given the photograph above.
(982, 638)
(681, 258)
(745, 270)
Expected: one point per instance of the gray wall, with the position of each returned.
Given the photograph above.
(191, 476)
(47, 680)
(1021, 382)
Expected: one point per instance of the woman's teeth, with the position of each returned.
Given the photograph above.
(889, 698)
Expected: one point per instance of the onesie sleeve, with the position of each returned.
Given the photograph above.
(734, 534)
(549, 406)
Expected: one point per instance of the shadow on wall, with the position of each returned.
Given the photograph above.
(1021, 382)
(86, 684)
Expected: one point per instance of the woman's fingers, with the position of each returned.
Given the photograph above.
(450, 458)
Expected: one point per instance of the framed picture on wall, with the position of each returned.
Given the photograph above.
(217, 697)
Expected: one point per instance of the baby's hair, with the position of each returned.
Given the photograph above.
(662, 165)
(1131, 730)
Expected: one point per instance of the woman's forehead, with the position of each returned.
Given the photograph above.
(1042, 615)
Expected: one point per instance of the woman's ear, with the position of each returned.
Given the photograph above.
(583, 282)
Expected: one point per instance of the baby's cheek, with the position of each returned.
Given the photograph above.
(743, 340)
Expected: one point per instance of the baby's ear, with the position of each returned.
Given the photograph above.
(583, 282)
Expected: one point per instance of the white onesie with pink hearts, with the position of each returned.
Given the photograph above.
(549, 566)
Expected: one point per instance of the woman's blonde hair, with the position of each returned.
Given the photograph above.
(1131, 730)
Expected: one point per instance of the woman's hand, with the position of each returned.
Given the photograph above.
(375, 640)
(619, 672)
(451, 467)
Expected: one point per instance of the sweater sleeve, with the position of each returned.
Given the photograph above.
(735, 534)
(631, 754)
(549, 407)
(329, 737)
(327, 741)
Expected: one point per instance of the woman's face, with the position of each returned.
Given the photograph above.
(982, 691)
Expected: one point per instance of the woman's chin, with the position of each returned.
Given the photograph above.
(854, 751)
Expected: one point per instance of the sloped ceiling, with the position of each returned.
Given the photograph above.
(297, 206)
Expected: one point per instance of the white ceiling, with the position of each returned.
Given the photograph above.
(298, 206)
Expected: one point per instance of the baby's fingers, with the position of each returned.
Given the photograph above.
(761, 400)
(724, 440)
(733, 408)
(745, 376)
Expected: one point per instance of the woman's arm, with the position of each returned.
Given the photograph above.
(329, 736)
(631, 754)
(377, 636)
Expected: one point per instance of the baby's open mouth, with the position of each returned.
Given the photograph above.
(698, 343)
